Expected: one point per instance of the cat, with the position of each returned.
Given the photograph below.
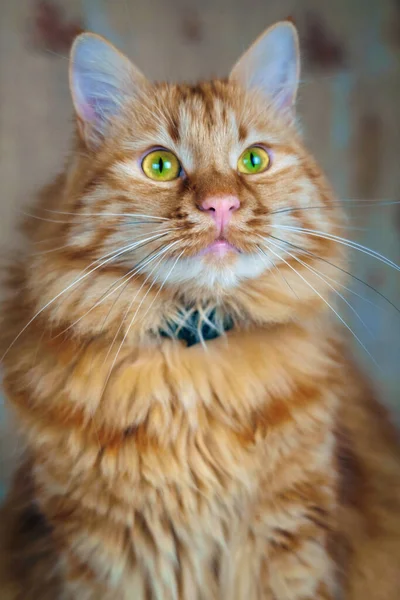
(194, 425)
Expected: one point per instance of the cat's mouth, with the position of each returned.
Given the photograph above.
(219, 248)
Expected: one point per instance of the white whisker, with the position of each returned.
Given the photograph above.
(347, 202)
(324, 279)
(324, 300)
(107, 214)
(57, 249)
(162, 252)
(344, 242)
(139, 243)
(127, 277)
(163, 283)
(81, 217)
(320, 258)
(276, 268)
(338, 283)
(83, 276)
(46, 240)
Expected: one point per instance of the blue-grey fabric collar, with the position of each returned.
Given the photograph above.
(193, 331)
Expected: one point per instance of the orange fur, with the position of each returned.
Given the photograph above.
(256, 467)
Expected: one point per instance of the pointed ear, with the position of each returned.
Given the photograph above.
(272, 65)
(101, 79)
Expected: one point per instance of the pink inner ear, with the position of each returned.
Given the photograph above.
(284, 99)
(87, 112)
(271, 65)
(83, 105)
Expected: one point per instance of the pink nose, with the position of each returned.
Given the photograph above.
(220, 209)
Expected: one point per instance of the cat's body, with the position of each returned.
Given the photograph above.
(254, 466)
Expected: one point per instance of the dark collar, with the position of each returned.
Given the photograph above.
(196, 328)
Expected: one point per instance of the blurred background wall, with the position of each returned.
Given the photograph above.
(349, 104)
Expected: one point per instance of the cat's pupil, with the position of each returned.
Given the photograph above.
(252, 160)
(161, 165)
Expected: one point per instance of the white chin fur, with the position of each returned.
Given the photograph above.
(202, 273)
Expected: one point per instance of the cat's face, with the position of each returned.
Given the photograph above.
(197, 189)
(216, 216)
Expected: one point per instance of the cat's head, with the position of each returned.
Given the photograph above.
(190, 194)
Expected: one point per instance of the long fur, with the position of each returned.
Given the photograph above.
(256, 466)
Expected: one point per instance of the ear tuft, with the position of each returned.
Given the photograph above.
(101, 79)
(272, 65)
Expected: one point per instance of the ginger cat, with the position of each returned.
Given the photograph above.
(194, 428)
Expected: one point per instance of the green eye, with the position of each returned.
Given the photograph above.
(161, 165)
(253, 160)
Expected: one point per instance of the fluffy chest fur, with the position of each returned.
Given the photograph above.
(172, 458)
